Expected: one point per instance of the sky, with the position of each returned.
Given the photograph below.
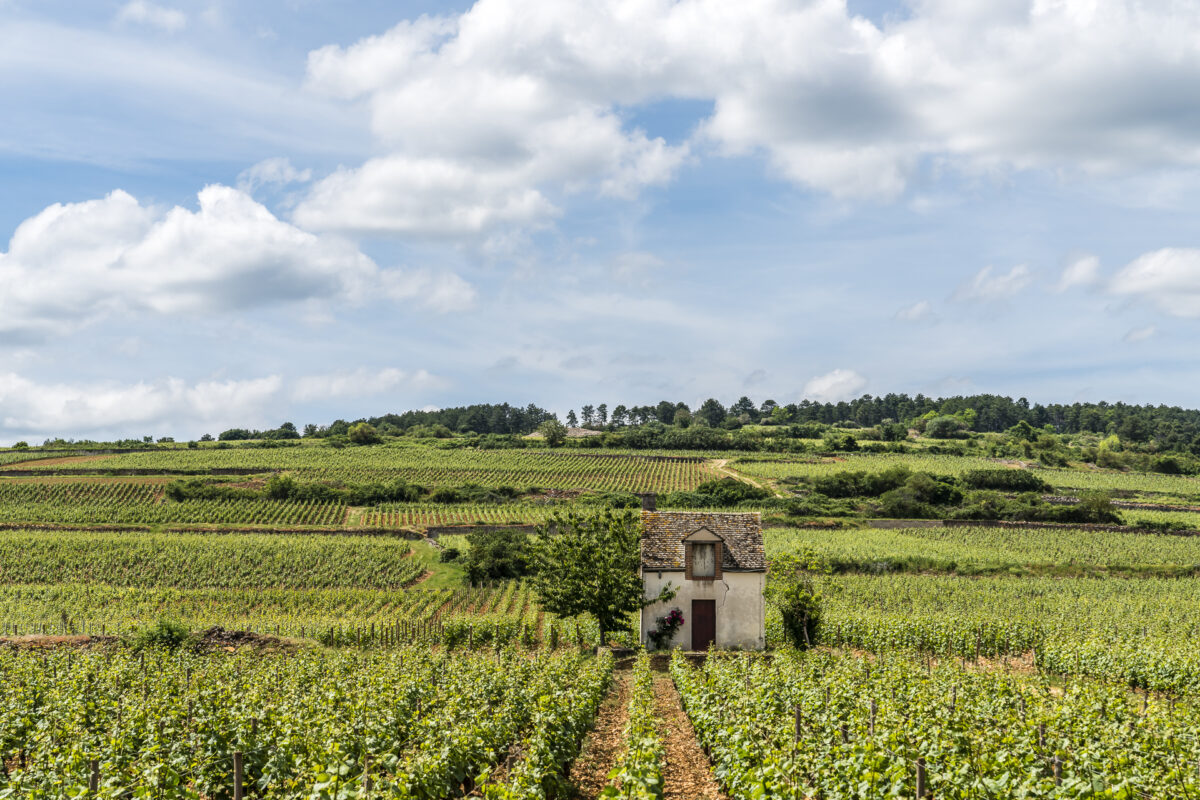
(218, 214)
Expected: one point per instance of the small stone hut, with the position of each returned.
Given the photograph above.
(716, 563)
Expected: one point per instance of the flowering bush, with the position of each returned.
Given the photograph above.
(665, 627)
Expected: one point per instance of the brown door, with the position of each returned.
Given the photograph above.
(704, 623)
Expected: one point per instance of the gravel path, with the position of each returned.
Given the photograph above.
(605, 744)
(687, 775)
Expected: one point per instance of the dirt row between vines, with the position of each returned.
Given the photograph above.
(687, 773)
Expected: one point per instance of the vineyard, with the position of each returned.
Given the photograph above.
(1067, 480)
(832, 725)
(1142, 632)
(433, 467)
(971, 550)
(423, 515)
(968, 661)
(405, 723)
(87, 503)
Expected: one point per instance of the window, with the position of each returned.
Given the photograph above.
(704, 560)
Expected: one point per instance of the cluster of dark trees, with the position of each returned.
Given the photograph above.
(1169, 427)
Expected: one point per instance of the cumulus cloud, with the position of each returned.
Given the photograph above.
(1083, 271)
(988, 285)
(271, 172)
(29, 407)
(536, 107)
(1169, 278)
(74, 263)
(142, 12)
(917, 312)
(841, 384)
(430, 196)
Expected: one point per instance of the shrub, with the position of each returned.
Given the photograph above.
(497, 555)
(164, 634)
(945, 427)
(1006, 480)
(665, 629)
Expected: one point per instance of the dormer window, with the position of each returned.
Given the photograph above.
(704, 560)
(702, 555)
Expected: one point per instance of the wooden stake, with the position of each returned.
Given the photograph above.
(922, 790)
(94, 777)
(237, 775)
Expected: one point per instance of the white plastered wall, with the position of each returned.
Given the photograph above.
(738, 596)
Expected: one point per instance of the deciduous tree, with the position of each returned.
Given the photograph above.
(589, 565)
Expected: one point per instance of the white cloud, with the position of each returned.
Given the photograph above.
(1083, 271)
(142, 12)
(271, 172)
(986, 286)
(51, 408)
(443, 291)
(429, 196)
(1140, 334)
(917, 312)
(1169, 278)
(361, 382)
(841, 384)
(29, 408)
(77, 262)
(536, 106)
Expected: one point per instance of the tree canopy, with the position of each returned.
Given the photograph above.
(590, 565)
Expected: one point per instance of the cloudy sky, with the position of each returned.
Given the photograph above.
(218, 213)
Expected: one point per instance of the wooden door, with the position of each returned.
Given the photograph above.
(704, 623)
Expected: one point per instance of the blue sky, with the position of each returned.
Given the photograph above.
(220, 214)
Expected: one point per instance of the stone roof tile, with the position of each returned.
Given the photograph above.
(664, 532)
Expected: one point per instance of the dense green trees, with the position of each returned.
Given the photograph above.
(589, 565)
(554, 432)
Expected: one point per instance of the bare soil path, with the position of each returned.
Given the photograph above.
(687, 773)
(604, 744)
(719, 464)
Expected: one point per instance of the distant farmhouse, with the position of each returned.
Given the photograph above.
(716, 562)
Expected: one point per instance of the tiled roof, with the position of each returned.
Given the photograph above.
(664, 531)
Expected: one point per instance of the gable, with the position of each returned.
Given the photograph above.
(702, 535)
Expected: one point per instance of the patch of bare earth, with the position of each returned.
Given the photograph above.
(687, 773)
(604, 744)
(217, 639)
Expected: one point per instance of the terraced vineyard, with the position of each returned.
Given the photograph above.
(423, 515)
(84, 503)
(431, 467)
